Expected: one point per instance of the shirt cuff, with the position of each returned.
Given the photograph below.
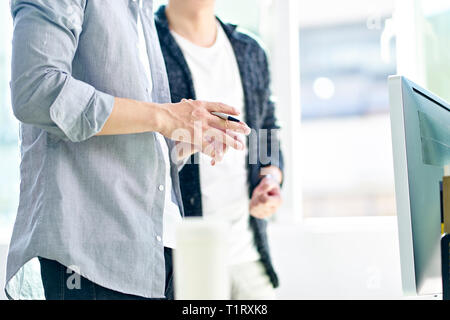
(81, 111)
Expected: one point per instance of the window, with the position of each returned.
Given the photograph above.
(342, 73)
(347, 156)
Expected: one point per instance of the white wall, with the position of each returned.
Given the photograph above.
(338, 258)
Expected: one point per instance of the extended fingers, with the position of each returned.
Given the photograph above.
(221, 107)
(224, 125)
(223, 138)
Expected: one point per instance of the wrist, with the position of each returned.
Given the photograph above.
(158, 118)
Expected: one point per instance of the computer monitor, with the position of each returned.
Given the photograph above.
(420, 124)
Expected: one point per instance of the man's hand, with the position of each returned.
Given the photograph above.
(191, 123)
(266, 198)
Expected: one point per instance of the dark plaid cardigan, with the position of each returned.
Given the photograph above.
(259, 110)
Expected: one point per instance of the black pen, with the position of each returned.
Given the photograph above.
(225, 117)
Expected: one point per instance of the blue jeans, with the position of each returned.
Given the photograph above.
(55, 278)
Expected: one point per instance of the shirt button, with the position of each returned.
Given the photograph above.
(192, 201)
(161, 188)
(159, 238)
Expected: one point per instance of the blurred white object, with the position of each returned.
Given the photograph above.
(386, 39)
(200, 260)
(324, 88)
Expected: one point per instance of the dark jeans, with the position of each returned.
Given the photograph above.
(55, 280)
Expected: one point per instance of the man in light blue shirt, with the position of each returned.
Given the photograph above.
(93, 170)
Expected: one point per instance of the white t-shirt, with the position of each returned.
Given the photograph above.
(172, 215)
(224, 187)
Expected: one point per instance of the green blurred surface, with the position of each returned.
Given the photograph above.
(436, 40)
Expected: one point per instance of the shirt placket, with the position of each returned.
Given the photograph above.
(160, 93)
(152, 64)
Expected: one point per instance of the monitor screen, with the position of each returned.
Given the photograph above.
(420, 124)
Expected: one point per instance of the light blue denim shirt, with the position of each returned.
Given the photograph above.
(92, 203)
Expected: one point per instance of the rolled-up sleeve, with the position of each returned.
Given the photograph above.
(44, 93)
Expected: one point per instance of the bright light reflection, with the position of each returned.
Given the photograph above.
(324, 88)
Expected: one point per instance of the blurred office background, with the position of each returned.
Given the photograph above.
(330, 62)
